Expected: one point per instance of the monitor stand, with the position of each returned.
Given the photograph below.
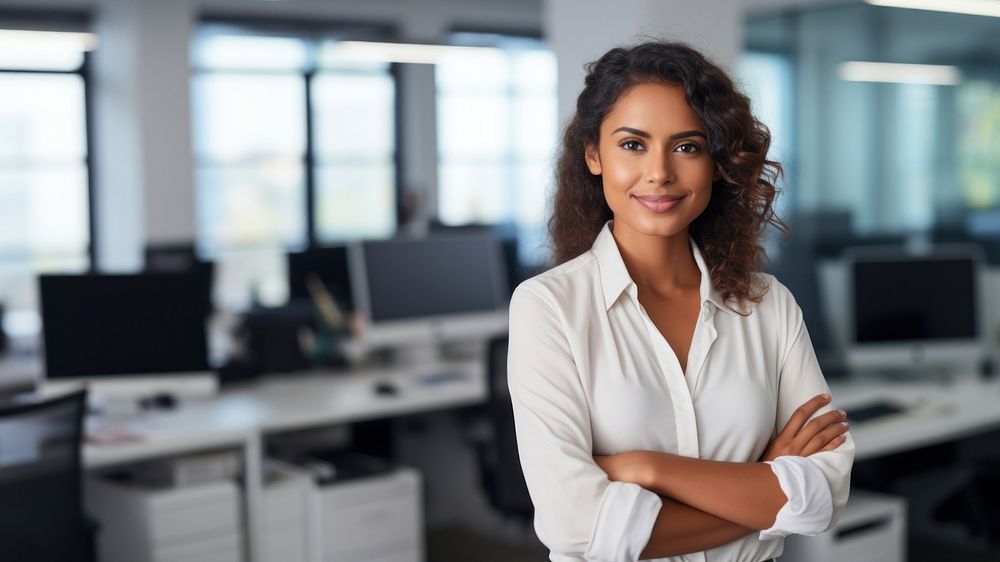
(417, 355)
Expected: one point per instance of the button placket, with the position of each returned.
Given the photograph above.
(680, 392)
(701, 345)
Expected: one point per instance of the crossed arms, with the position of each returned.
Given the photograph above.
(710, 503)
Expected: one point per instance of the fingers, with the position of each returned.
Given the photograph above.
(836, 442)
(818, 424)
(833, 435)
(803, 413)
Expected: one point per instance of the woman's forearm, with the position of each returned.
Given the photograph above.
(747, 494)
(682, 529)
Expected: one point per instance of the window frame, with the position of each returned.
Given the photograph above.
(67, 21)
(314, 32)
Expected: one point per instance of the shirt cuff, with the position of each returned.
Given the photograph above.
(624, 523)
(809, 508)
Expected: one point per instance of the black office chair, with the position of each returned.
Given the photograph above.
(41, 504)
(975, 502)
(500, 465)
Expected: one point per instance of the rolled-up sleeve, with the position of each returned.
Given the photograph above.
(579, 513)
(817, 486)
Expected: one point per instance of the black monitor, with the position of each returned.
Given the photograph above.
(436, 289)
(505, 232)
(182, 258)
(912, 310)
(330, 264)
(122, 325)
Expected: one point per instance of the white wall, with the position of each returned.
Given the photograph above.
(579, 31)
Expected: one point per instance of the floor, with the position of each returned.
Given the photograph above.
(457, 544)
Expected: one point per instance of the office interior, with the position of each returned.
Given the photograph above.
(276, 241)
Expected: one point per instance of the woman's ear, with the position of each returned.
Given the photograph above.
(718, 174)
(593, 158)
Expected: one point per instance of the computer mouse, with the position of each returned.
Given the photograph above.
(384, 388)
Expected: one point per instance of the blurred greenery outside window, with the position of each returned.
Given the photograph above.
(497, 131)
(281, 124)
(895, 154)
(44, 169)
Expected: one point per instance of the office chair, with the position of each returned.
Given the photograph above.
(975, 503)
(499, 463)
(41, 504)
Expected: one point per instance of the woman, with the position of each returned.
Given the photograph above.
(657, 346)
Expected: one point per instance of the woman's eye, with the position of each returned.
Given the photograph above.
(631, 145)
(688, 147)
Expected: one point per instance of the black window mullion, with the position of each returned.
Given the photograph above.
(394, 72)
(310, 164)
(88, 111)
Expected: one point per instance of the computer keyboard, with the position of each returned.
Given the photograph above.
(873, 411)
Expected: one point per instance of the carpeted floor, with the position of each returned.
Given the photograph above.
(457, 544)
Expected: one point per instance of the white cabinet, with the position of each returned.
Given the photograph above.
(141, 524)
(373, 519)
(872, 528)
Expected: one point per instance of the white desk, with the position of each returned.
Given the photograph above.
(280, 403)
(242, 416)
(941, 412)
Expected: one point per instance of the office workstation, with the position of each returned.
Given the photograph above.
(277, 248)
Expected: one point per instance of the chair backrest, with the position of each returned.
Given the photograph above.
(508, 491)
(41, 504)
(497, 370)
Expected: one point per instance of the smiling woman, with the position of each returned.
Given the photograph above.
(666, 395)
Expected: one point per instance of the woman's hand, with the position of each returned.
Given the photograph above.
(802, 439)
(632, 466)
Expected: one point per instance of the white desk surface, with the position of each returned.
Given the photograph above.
(940, 412)
(943, 411)
(286, 402)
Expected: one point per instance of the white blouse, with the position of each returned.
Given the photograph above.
(590, 374)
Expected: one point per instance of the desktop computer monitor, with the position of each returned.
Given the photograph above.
(330, 265)
(127, 334)
(915, 312)
(430, 291)
(182, 258)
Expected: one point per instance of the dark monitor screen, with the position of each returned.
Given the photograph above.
(182, 258)
(97, 325)
(436, 276)
(915, 299)
(330, 264)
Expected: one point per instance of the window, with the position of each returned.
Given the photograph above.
(294, 147)
(497, 134)
(766, 78)
(44, 165)
(893, 129)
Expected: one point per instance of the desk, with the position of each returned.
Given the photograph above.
(242, 416)
(941, 412)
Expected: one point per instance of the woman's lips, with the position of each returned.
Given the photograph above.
(660, 204)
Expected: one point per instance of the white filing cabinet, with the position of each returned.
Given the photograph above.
(372, 519)
(288, 515)
(141, 524)
(872, 528)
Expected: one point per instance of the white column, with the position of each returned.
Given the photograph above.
(164, 75)
(580, 31)
(144, 185)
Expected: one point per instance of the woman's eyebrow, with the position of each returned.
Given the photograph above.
(691, 133)
(644, 134)
(631, 131)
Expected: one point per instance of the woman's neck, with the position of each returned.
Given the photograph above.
(663, 264)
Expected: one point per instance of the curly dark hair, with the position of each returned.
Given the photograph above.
(730, 229)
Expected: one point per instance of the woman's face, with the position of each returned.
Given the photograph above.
(653, 160)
